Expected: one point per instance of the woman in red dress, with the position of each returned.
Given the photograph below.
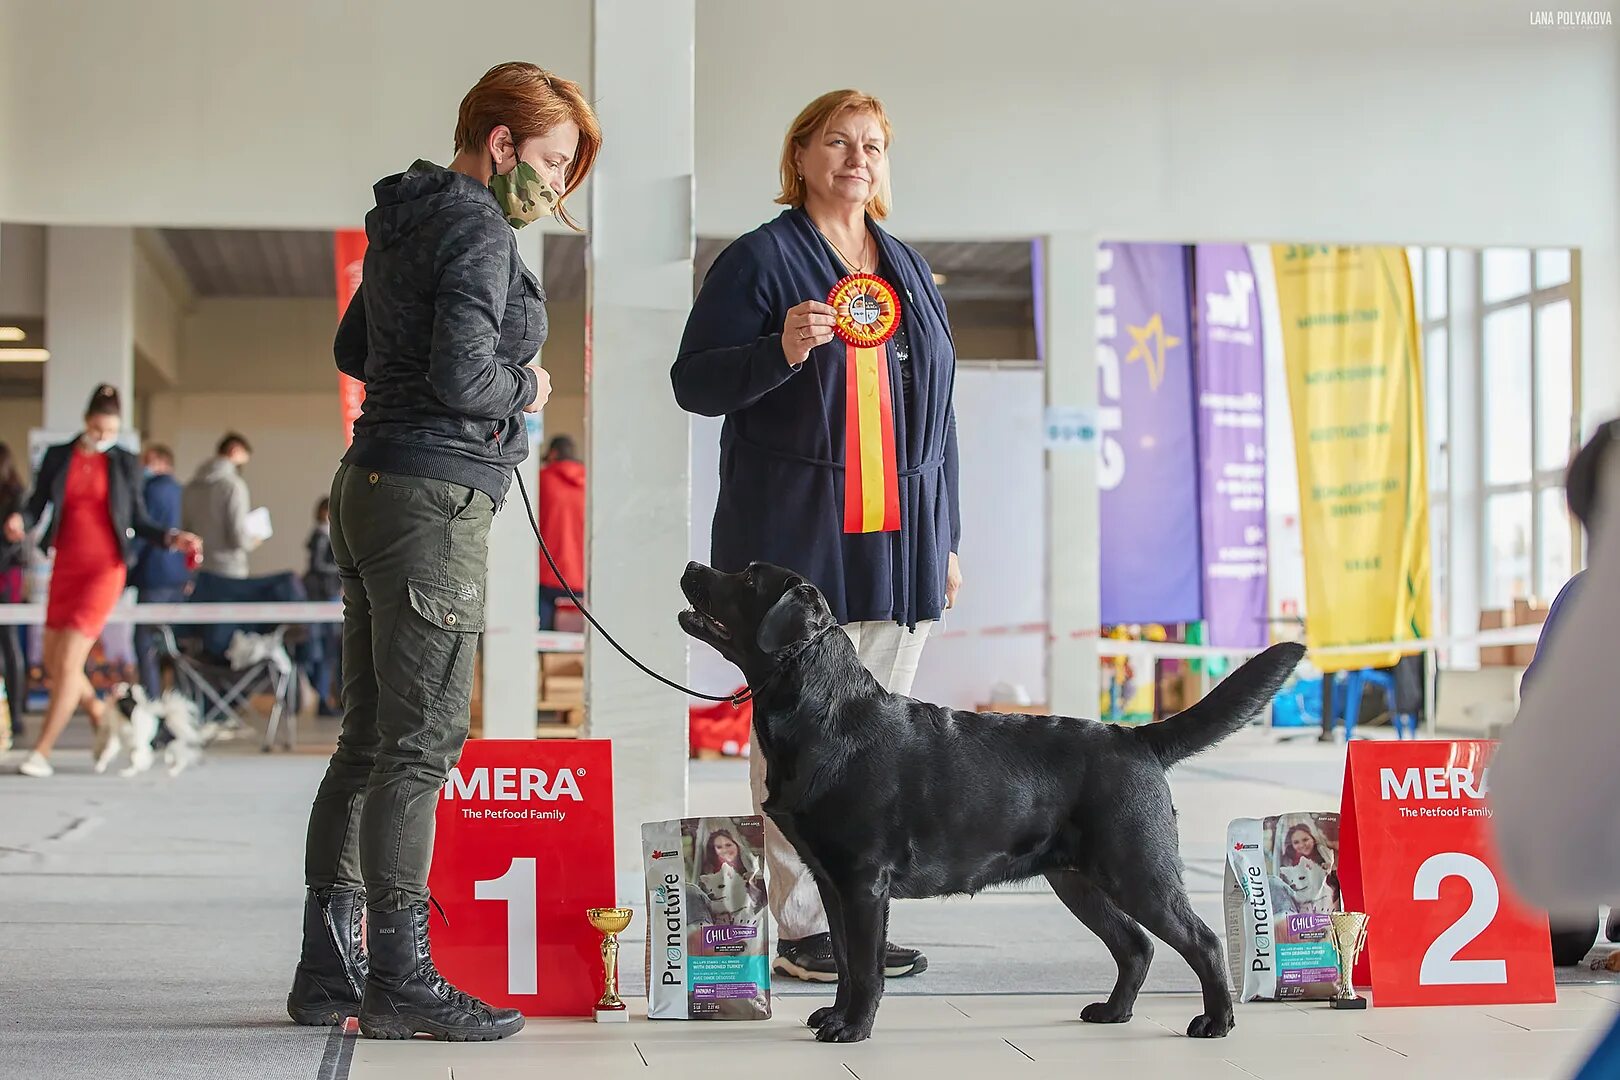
(94, 487)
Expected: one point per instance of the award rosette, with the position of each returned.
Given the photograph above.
(868, 314)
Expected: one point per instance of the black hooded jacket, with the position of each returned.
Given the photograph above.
(441, 331)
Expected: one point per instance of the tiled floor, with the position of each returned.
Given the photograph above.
(1031, 1038)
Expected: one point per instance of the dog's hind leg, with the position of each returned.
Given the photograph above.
(1129, 944)
(864, 906)
(1151, 892)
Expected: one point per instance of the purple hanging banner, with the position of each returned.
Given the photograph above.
(1147, 464)
(1231, 445)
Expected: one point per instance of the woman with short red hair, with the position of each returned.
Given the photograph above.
(445, 332)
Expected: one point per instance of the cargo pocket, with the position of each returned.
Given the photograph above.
(431, 661)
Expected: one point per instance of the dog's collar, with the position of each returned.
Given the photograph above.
(789, 657)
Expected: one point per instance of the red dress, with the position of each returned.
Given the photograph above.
(87, 577)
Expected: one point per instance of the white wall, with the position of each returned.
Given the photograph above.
(237, 114)
(162, 298)
(22, 271)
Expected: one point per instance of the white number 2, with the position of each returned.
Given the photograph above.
(520, 889)
(1440, 965)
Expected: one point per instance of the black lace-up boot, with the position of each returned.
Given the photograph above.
(405, 994)
(332, 970)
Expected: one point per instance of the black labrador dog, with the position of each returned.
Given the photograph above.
(884, 797)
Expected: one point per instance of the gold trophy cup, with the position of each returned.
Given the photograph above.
(1349, 936)
(611, 921)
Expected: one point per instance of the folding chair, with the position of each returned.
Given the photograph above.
(220, 690)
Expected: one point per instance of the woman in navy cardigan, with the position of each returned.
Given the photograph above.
(760, 350)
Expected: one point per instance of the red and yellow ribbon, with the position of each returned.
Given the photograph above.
(868, 315)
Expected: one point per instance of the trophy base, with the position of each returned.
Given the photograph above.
(1349, 1003)
(620, 1015)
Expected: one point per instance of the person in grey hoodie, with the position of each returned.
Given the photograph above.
(215, 506)
(445, 332)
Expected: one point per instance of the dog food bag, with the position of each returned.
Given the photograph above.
(1282, 884)
(708, 919)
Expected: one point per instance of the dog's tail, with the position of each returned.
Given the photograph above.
(1228, 707)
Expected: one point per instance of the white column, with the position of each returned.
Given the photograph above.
(89, 320)
(1073, 535)
(1466, 537)
(511, 600)
(640, 289)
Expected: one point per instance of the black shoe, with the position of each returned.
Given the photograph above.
(332, 970)
(405, 994)
(811, 960)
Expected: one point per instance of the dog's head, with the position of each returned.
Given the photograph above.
(752, 616)
(127, 697)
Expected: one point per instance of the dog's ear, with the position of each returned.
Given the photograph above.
(794, 617)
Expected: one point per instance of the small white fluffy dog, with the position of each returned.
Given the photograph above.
(137, 721)
(1308, 887)
(727, 893)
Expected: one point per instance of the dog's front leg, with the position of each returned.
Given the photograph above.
(834, 909)
(865, 906)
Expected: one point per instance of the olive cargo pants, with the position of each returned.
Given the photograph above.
(413, 553)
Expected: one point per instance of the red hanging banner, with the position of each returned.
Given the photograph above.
(350, 249)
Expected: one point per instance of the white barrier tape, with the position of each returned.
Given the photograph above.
(1174, 650)
(306, 611)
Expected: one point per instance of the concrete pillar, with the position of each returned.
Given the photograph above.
(1073, 537)
(511, 600)
(89, 320)
(639, 271)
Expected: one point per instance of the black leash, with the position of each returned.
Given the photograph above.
(737, 700)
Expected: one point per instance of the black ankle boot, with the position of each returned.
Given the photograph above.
(332, 970)
(405, 994)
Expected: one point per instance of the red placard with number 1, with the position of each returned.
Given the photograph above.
(1416, 854)
(524, 845)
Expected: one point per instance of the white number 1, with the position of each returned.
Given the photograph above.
(520, 889)
(1440, 965)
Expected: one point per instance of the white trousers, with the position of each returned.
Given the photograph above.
(890, 652)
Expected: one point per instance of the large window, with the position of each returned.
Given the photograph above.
(1520, 316)
(1527, 418)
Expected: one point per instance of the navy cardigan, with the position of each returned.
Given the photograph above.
(782, 445)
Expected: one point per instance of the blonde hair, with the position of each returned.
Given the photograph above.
(530, 101)
(813, 121)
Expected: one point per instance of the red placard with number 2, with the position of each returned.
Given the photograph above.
(1416, 854)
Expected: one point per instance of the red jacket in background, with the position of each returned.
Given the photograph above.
(562, 523)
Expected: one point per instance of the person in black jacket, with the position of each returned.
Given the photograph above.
(13, 565)
(93, 487)
(445, 332)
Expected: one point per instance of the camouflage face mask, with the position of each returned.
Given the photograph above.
(523, 195)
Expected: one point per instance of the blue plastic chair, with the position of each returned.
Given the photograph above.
(1347, 690)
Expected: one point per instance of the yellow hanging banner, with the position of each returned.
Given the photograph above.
(1355, 391)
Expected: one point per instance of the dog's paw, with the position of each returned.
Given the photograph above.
(820, 1016)
(1103, 1012)
(1210, 1027)
(838, 1029)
